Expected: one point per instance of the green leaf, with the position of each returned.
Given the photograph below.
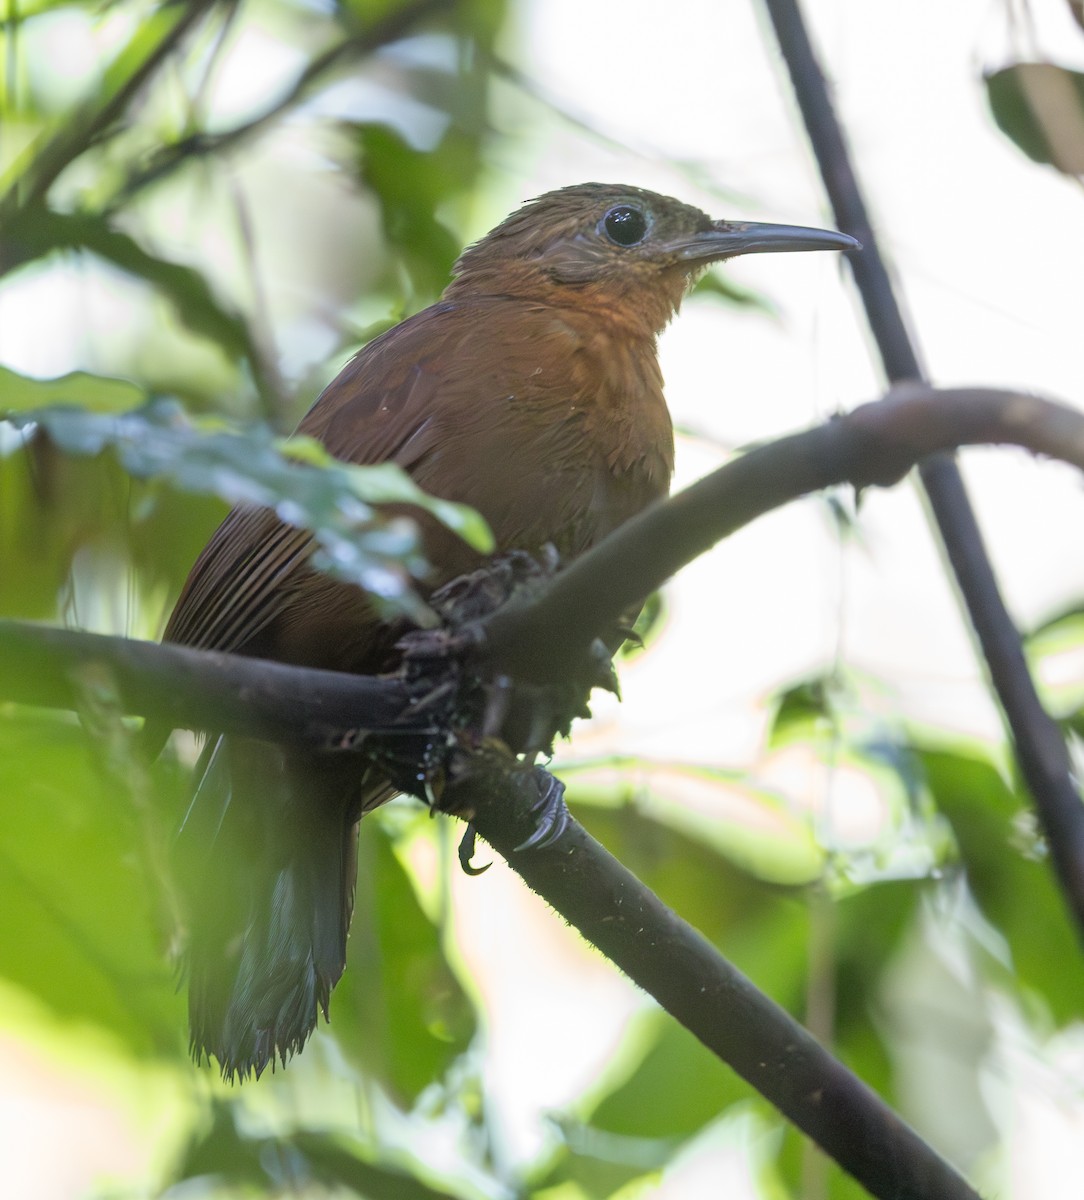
(867, 928)
(697, 803)
(753, 922)
(1009, 876)
(81, 882)
(802, 707)
(334, 500)
(412, 186)
(1056, 655)
(18, 393)
(697, 1087)
(292, 1163)
(39, 231)
(1040, 106)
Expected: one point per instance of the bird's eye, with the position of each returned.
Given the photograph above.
(625, 225)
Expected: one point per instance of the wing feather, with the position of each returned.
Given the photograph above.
(526, 436)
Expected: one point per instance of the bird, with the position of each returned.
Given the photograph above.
(532, 392)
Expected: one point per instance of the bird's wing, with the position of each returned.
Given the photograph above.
(233, 590)
(514, 408)
(513, 434)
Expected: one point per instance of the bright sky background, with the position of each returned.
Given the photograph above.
(990, 253)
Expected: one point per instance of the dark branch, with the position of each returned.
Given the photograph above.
(876, 444)
(544, 639)
(1040, 749)
(200, 689)
(709, 996)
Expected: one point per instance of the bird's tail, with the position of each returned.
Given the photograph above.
(268, 861)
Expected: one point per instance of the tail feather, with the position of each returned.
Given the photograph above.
(268, 857)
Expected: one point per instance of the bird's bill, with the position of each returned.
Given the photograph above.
(726, 239)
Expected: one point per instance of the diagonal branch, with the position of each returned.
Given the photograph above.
(876, 444)
(1040, 748)
(690, 979)
(544, 639)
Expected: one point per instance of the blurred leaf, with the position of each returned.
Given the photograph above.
(38, 231)
(298, 479)
(399, 1010)
(290, 1163)
(1040, 106)
(51, 510)
(697, 1087)
(92, 122)
(32, 8)
(720, 287)
(858, 773)
(95, 392)
(799, 707)
(411, 187)
(753, 828)
(1076, 9)
(869, 927)
(79, 886)
(1056, 655)
(72, 530)
(597, 1163)
(1009, 876)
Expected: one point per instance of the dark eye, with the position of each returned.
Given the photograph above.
(625, 225)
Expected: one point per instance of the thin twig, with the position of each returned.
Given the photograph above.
(88, 127)
(380, 33)
(1040, 749)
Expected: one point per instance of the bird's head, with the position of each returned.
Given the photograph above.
(616, 246)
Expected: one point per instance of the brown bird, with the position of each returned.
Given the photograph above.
(531, 392)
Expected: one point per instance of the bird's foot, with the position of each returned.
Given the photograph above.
(550, 813)
(466, 851)
(546, 815)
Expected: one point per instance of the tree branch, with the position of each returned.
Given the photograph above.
(1040, 748)
(543, 639)
(178, 687)
(690, 979)
(875, 444)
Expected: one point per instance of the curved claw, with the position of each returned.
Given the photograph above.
(466, 851)
(552, 817)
